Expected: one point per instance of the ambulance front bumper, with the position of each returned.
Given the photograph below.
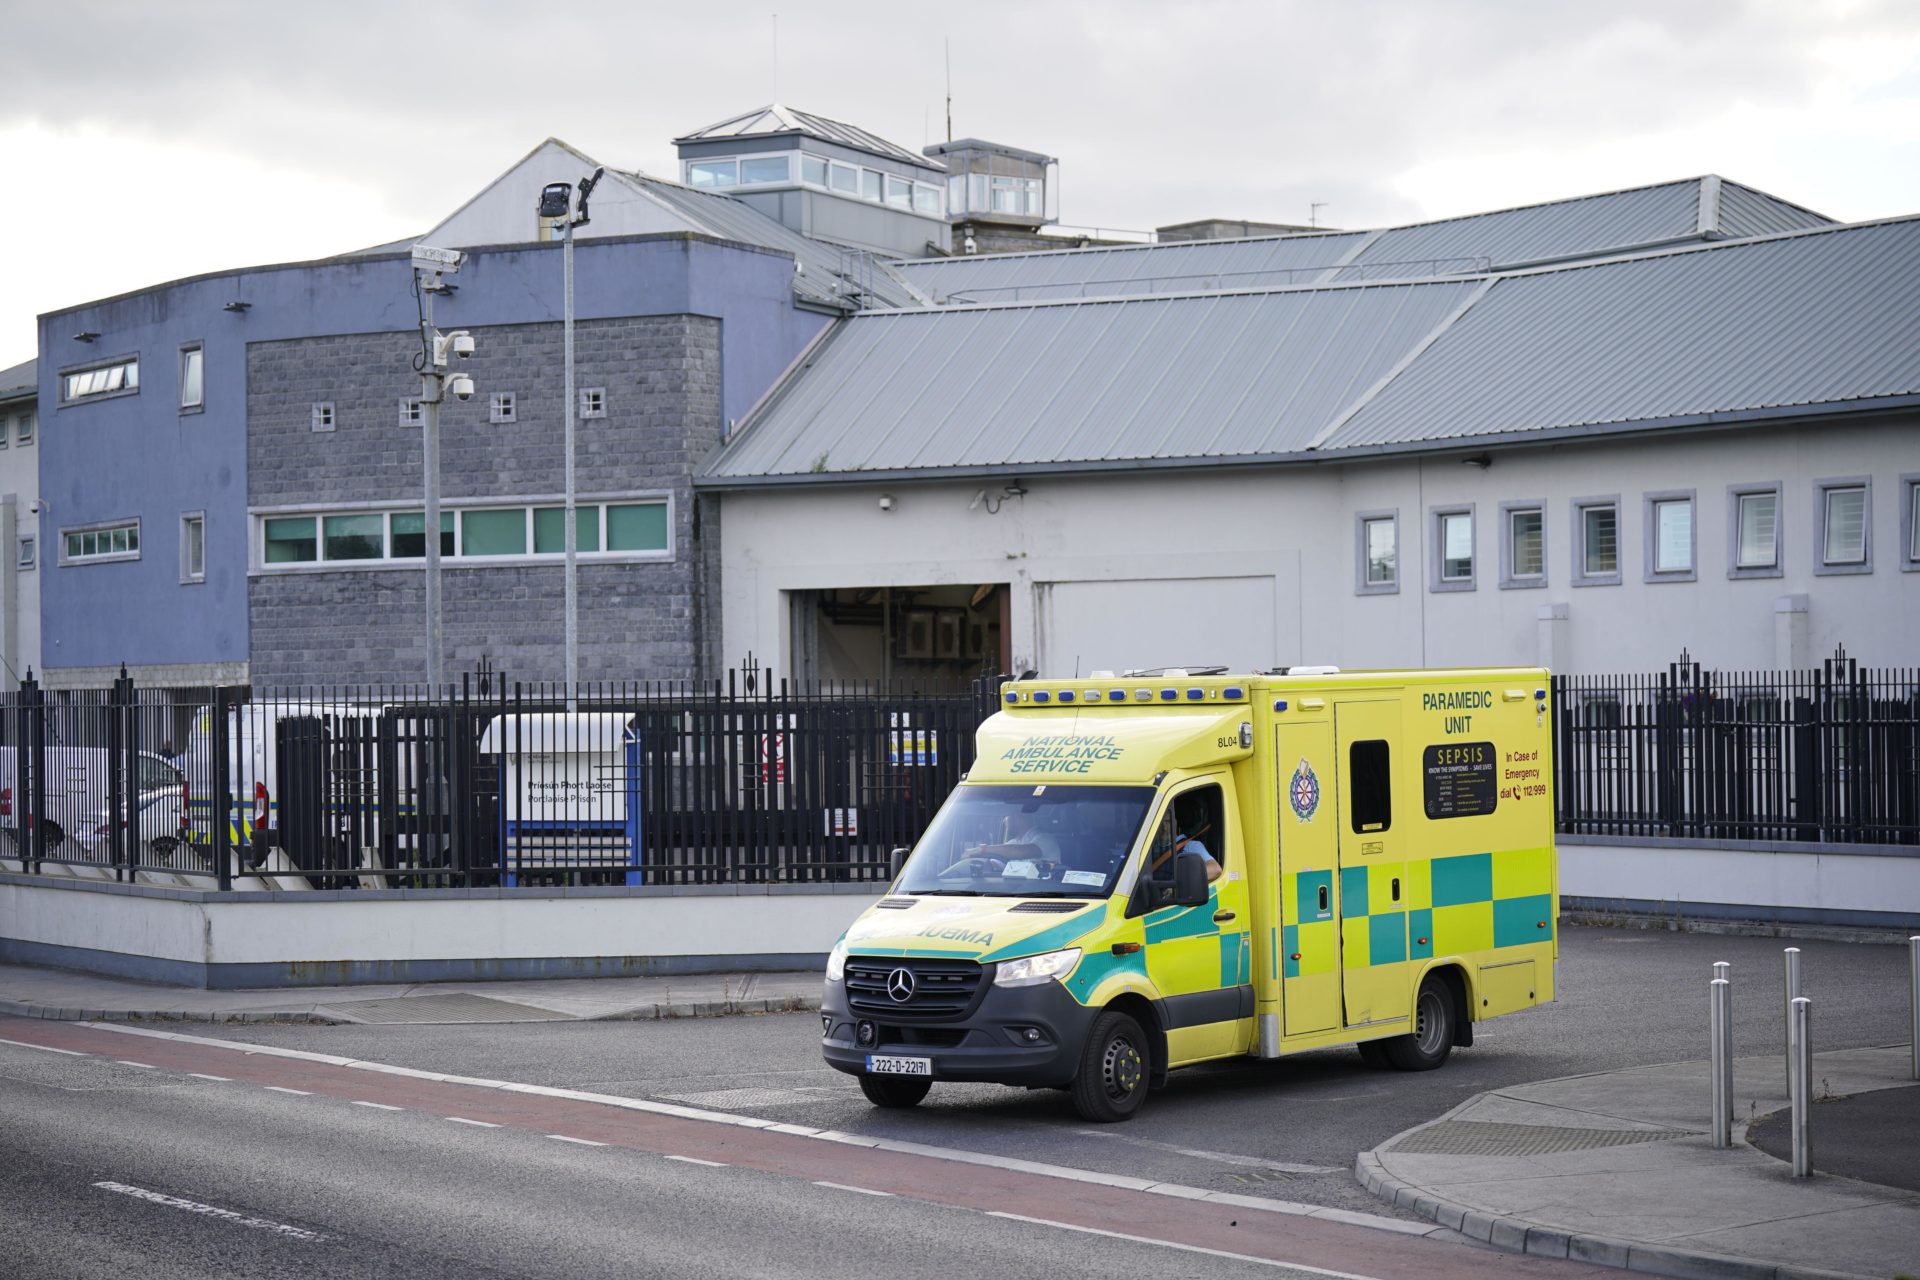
(1010, 1035)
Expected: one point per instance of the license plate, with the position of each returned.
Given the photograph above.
(882, 1065)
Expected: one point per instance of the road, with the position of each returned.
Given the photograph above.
(262, 1164)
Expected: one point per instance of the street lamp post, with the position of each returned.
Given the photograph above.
(429, 265)
(556, 203)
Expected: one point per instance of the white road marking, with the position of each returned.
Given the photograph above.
(584, 1142)
(1184, 1248)
(47, 1048)
(298, 1093)
(865, 1191)
(213, 1211)
(201, 1075)
(144, 1066)
(377, 1106)
(711, 1164)
(1217, 1157)
(1063, 1172)
(478, 1124)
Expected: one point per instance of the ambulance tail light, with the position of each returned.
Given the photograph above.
(6, 802)
(259, 806)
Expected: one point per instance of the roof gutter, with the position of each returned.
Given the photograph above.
(1809, 415)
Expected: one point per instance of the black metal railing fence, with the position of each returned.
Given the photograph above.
(1830, 754)
(494, 783)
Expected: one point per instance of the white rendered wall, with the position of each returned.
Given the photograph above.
(504, 212)
(1823, 881)
(1295, 528)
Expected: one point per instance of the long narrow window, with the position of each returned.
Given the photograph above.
(1757, 530)
(192, 377)
(193, 547)
(117, 378)
(1845, 528)
(604, 530)
(100, 543)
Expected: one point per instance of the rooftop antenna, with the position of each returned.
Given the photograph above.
(949, 88)
(1313, 212)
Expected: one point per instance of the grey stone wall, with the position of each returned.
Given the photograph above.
(641, 620)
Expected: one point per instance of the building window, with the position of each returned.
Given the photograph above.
(193, 390)
(593, 402)
(605, 529)
(1845, 508)
(27, 552)
(409, 413)
(500, 411)
(1910, 523)
(1452, 558)
(358, 537)
(713, 173)
(1377, 553)
(322, 416)
(766, 169)
(408, 540)
(193, 547)
(1596, 542)
(844, 177)
(870, 185)
(1669, 537)
(101, 542)
(1753, 517)
(929, 200)
(291, 540)
(23, 428)
(899, 192)
(121, 377)
(1523, 545)
(813, 170)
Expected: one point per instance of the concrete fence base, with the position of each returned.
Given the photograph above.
(281, 939)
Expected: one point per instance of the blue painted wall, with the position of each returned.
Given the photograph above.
(139, 456)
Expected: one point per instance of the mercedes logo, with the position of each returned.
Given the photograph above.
(900, 985)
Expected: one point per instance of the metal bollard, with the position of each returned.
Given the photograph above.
(1913, 1004)
(1792, 955)
(1800, 1034)
(1719, 1027)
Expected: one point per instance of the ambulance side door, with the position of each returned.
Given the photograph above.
(1200, 958)
(1376, 887)
(1309, 932)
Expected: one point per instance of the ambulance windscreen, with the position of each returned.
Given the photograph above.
(1027, 842)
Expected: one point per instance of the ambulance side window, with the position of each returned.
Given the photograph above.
(1195, 820)
(1369, 786)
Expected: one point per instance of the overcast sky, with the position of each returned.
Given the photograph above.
(141, 142)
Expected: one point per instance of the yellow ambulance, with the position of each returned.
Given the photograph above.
(1159, 869)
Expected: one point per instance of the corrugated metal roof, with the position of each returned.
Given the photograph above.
(1816, 318)
(1184, 267)
(1559, 229)
(830, 274)
(1215, 375)
(1745, 211)
(18, 380)
(773, 120)
(1587, 226)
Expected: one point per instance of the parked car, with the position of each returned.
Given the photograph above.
(77, 820)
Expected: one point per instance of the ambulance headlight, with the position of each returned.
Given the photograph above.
(837, 962)
(1031, 971)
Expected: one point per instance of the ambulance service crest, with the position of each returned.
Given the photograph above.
(1303, 793)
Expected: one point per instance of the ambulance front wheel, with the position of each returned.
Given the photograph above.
(1432, 1038)
(895, 1091)
(1115, 1069)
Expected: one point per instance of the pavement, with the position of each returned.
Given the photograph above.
(1613, 1167)
(1618, 1168)
(27, 991)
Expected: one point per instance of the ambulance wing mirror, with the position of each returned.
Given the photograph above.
(1190, 880)
(896, 860)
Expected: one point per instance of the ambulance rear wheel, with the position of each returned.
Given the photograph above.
(1115, 1069)
(1432, 1038)
(895, 1091)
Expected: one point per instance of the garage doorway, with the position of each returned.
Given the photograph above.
(937, 638)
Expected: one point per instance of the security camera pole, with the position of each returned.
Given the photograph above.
(429, 264)
(556, 204)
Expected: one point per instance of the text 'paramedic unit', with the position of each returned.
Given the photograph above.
(1145, 872)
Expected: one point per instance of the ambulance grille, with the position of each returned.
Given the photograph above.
(941, 988)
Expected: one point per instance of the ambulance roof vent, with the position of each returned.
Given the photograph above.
(1175, 673)
(1307, 671)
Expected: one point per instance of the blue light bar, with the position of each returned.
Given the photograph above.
(1041, 695)
(1066, 695)
(1279, 704)
(1194, 695)
(1012, 697)
(1233, 691)
(1170, 695)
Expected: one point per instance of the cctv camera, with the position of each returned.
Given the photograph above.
(37, 506)
(461, 386)
(463, 345)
